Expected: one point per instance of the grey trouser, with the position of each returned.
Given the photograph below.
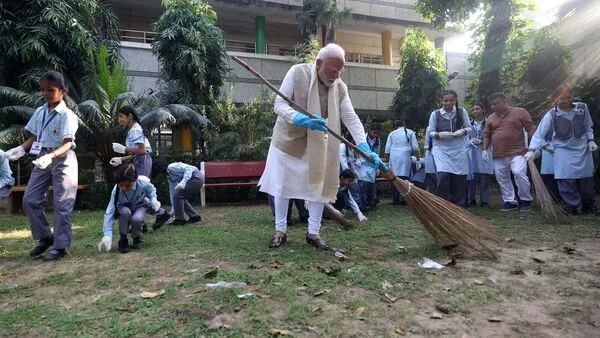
(452, 188)
(483, 181)
(576, 191)
(133, 215)
(143, 164)
(180, 197)
(62, 174)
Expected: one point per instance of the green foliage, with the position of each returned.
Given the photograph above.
(243, 130)
(109, 76)
(441, 13)
(191, 50)
(307, 51)
(39, 35)
(321, 12)
(421, 80)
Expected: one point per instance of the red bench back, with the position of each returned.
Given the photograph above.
(241, 170)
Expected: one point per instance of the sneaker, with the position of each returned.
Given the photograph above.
(161, 220)
(123, 245)
(195, 219)
(509, 206)
(54, 255)
(472, 203)
(138, 243)
(525, 206)
(179, 222)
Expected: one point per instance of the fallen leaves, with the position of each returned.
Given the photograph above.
(279, 332)
(212, 273)
(216, 323)
(537, 260)
(151, 294)
(442, 309)
(333, 271)
(322, 292)
(494, 320)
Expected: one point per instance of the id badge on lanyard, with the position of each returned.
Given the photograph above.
(36, 146)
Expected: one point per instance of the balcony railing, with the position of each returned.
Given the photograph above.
(240, 46)
(137, 36)
(281, 50)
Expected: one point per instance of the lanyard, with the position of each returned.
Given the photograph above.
(46, 123)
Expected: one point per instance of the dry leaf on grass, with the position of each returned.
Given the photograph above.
(451, 263)
(400, 330)
(442, 309)
(322, 292)
(569, 250)
(508, 240)
(517, 271)
(124, 309)
(340, 255)
(494, 320)
(333, 272)
(276, 265)
(192, 271)
(211, 273)
(436, 315)
(279, 332)
(359, 311)
(390, 299)
(386, 285)
(151, 294)
(215, 324)
(478, 281)
(537, 260)
(317, 310)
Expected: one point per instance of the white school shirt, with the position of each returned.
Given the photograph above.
(52, 128)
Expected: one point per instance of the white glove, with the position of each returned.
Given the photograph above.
(361, 217)
(44, 161)
(119, 148)
(530, 155)
(475, 142)
(180, 185)
(15, 153)
(485, 156)
(116, 161)
(460, 132)
(418, 166)
(592, 146)
(445, 135)
(155, 205)
(548, 147)
(105, 244)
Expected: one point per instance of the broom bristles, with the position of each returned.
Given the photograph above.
(550, 208)
(337, 216)
(446, 222)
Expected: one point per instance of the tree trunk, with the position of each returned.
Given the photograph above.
(331, 35)
(495, 43)
(324, 35)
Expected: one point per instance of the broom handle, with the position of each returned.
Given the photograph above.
(300, 109)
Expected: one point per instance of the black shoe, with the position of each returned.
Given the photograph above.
(525, 206)
(318, 243)
(54, 255)
(484, 205)
(138, 243)
(160, 221)
(42, 246)
(123, 245)
(195, 219)
(593, 210)
(278, 241)
(472, 203)
(509, 206)
(179, 222)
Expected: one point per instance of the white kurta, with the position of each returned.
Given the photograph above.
(400, 144)
(286, 176)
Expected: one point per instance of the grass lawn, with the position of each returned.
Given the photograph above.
(546, 281)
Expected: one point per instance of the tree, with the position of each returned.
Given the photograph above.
(39, 35)
(492, 35)
(191, 50)
(324, 13)
(421, 80)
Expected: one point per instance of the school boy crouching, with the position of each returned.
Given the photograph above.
(130, 199)
(185, 181)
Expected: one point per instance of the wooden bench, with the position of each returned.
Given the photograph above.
(247, 171)
(15, 200)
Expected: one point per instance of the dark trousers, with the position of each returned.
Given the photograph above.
(367, 194)
(397, 198)
(431, 183)
(452, 188)
(577, 191)
(552, 186)
(341, 201)
(483, 181)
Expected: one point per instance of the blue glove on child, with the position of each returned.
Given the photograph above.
(318, 123)
(377, 163)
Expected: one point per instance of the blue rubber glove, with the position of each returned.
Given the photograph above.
(377, 163)
(318, 123)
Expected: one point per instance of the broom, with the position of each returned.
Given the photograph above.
(448, 224)
(337, 216)
(550, 208)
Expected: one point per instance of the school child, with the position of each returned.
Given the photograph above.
(573, 144)
(6, 179)
(448, 127)
(430, 171)
(185, 181)
(400, 145)
(547, 166)
(481, 170)
(374, 142)
(417, 173)
(366, 184)
(349, 160)
(136, 142)
(52, 128)
(344, 197)
(131, 197)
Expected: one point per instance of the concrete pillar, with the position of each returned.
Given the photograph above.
(261, 36)
(187, 142)
(439, 43)
(386, 47)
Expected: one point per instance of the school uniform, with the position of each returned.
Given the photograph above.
(400, 144)
(430, 170)
(418, 177)
(481, 170)
(135, 137)
(50, 129)
(192, 177)
(348, 160)
(547, 167)
(6, 179)
(375, 145)
(344, 199)
(450, 155)
(366, 183)
(573, 163)
(132, 207)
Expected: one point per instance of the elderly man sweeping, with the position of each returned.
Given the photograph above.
(303, 162)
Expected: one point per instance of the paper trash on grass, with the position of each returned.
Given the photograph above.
(227, 285)
(246, 295)
(150, 294)
(429, 264)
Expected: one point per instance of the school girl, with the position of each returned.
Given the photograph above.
(131, 197)
(448, 127)
(400, 145)
(184, 182)
(481, 170)
(52, 127)
(573, 143)
(136, 142)
(547, 166)
(430, 171)
(6, 179)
